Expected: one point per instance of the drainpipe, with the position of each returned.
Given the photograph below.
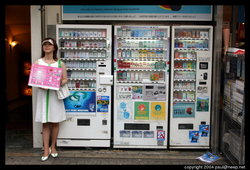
(43, 30)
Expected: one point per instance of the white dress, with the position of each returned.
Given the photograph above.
(49, 108)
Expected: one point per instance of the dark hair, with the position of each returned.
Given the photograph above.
(55, 47)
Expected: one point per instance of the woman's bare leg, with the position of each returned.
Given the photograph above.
(46, 136)
(54, 134)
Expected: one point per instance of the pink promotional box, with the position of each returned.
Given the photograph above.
(45, 76)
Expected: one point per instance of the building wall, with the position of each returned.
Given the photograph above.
(35, 21)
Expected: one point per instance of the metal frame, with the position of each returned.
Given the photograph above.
(216, 79)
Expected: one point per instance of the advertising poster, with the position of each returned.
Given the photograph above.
(138, 12)
(183, 110)
(158, 110)
(193, 136)
(45, 76)
(81, 101)
(208, 157)
(160, 135)
(124, 110)
(202, 104)
(136, 92)
(124, 92)
(204, 130)
(141, 111)
(102, 103)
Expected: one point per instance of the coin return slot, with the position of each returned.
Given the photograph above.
(83, 122)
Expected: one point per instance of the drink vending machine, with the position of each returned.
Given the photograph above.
(191, 74)
(141, 56)
(86, 52)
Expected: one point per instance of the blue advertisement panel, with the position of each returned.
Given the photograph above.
(81, 101)
(138, 12)
(102, 103)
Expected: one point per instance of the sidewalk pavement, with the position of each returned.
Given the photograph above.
(19, 151)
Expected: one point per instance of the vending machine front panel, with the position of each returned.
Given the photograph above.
(86, 52)
(191, 71)
(141, 62)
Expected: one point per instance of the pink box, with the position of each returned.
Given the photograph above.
(45, 76)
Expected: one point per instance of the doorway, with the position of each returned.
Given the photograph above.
(17, 67)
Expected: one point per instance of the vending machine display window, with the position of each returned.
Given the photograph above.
(141, 75)
(86, 52)
(190, 101)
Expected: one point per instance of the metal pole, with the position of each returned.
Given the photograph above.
(216, 79)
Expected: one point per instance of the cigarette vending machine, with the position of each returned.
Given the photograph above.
(86, 52)
(141, 56)
(191, 75)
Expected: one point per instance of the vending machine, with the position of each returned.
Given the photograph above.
(191, 75)
(86, 52)
(141, 78)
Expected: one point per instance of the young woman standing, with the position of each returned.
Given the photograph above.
(50, 111)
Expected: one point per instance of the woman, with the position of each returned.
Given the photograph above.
(49, 109)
